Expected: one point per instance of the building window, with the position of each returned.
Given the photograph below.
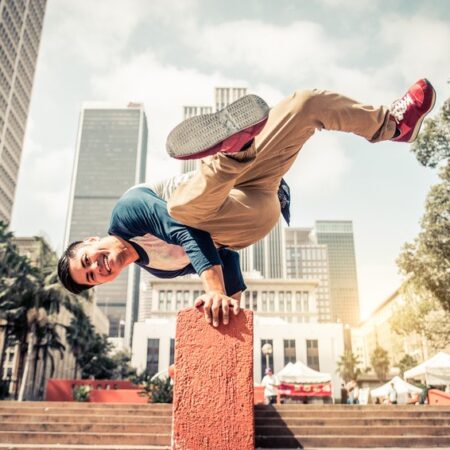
(179, 299)
(264, 301)
(247, 300)
(172, 352)
(305, 302)
(186, 298)
(289, 301)
(312, 354)
(281, 305)
(264, 358)
(169, 300)
(255, 300)
(161, 300)
(289, 351)
(298, 301)
(152, 356)
(271, 301)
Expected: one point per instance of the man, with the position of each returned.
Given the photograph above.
(392, 395)
(270, 383)
(194, 224)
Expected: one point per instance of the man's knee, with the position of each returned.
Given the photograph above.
(305, 102)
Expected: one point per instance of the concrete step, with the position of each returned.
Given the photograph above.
(338, 406)
(74, 427)
(90, 412)
(73, 418)
(36, 437)
(352, 414)
(352, 431)
(285, 442)
(343, 422)
(83, 405)
(81, 447)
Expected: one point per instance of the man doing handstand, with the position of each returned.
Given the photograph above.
(194, 223)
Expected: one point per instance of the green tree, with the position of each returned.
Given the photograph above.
(95, 361)
(379, 359)
(426, 260)
(123, 369)
(422, 315)
(347, 366)
(406, 363)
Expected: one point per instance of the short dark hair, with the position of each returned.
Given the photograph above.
(63, 270)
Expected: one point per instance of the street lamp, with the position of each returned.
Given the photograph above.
(267, 350)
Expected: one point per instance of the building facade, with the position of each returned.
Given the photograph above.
(376, 331)
(343, 282)
(307, 259)
(21, 24)
(285, 316)
(110, 157)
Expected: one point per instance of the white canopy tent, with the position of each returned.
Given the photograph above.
(435, 371)
(300, 373)
(402, 387)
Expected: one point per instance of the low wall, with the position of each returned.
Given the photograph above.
(436, 397)
(105, 391)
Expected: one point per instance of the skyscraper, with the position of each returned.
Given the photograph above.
(188, 112)
(20, 34)
(110, 158)
(266, 256)
(338, 237)
(306, 259)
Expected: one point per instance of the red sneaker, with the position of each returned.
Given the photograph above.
(226, 131)
(410, 110)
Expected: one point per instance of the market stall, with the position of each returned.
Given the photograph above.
(300, 382)
(435, 371)
(402, 387)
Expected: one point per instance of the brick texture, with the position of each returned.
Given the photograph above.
(213, 392)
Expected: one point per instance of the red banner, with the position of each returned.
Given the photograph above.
(305, 390)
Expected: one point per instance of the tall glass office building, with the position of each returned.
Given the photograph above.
(20, 34)
(266, 256)
(110, 158)
(338, 237)
(306, 259)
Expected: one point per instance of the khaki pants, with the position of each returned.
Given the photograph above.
(236, 201)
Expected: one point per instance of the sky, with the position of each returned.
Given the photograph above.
(170, 53)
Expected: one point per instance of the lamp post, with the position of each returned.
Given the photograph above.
(267, 350)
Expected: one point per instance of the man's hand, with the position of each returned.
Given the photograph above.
(215, 301)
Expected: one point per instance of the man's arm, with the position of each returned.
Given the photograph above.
(215, 298)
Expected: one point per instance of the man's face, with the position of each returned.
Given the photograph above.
(97, 261)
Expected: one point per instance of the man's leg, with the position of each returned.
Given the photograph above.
(234, 197)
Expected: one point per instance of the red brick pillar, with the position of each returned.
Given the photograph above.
(213, 392)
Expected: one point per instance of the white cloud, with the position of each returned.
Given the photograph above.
(421, 47)
(98, 32)
(43, 186)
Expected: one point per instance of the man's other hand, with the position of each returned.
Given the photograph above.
(213, 302)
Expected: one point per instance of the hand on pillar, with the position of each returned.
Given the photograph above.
(213, 302)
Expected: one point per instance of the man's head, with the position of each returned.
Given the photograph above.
(94, 261)
(268, 371)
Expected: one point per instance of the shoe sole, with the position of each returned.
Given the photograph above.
(197, 134)
(419, 122)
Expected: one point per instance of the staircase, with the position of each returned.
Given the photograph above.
(64, 426)
(321, 426)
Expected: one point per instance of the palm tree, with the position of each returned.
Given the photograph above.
(347, 366)
(380, 362)
(79, 334)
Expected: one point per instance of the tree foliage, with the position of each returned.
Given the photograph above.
(406, 363)
(347, 366)
(379, 359)
(426, 260)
